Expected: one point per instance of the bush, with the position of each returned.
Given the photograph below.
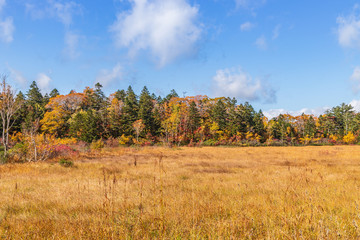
(66, 163)
(125, 140)
(99, 144)
(63, 151)
(112, 142)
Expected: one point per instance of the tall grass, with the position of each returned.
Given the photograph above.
(186, 193)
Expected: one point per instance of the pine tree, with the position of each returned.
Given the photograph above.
(194, 119)
(146, 107)
(54, 93)
(120, 95)
(129, 112)
(21, 113)
(219, 115)
(34, 95)
(85, 126)
(34, 104)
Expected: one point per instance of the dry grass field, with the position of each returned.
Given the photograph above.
(186, 193)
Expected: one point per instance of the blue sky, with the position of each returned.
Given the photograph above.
(281, 56)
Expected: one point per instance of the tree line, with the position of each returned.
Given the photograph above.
(148, 119)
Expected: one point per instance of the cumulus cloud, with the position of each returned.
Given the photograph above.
(247, 26)
(261, 43)
(349, 30)
(107, 77)
(356, 105)
(276, 112)
(355, 80)
(43, 82)
(167, 29)
(239, 84)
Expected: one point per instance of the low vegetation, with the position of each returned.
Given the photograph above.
(185, 193)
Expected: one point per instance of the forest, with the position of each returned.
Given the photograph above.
(36, 126)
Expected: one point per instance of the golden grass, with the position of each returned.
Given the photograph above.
(186, 193)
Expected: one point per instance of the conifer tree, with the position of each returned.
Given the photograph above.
(219, 115)
(35, 105)
(129, 112)
(54, 93)
(194, 119)
(146, 107)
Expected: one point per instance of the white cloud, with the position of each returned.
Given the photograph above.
(239, 84)
(276, 32)
(2, 4)
(355, 79)
(261, 43)
(62, 11)
(356, 105)
(247, 26)
(249, 4)
(7, 29)
(106, 77)
(18, 77)
(43, 81)
(349, 30)
(71, 45)
(167, 29)
(276, 112)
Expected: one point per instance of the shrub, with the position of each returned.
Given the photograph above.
(124, 140)
(349, 138)
(112, 142)
(99, 144)
(63, 151)
(66, 163)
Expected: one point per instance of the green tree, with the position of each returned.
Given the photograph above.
(35, 106)
(129, 112)
(146, 107)
(54, 93)
(84, 125)
(219, 115)
(194, 119)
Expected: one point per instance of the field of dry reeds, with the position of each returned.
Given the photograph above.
(186, 193)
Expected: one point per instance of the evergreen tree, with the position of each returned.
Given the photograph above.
(129, 112)
(219, 115)
(146, 107)
(54, 93)
(34, 95)
(259, 127)
(171, 95)
(85, 126)
(194, 119)
(35, 105)
(310, 127)
(120, 95)
(46, 99)
(20, 115)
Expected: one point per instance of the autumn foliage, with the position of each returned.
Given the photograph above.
(124, 118)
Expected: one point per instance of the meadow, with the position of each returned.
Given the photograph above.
(186, 193)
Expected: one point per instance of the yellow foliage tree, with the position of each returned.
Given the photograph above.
(349, 138)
